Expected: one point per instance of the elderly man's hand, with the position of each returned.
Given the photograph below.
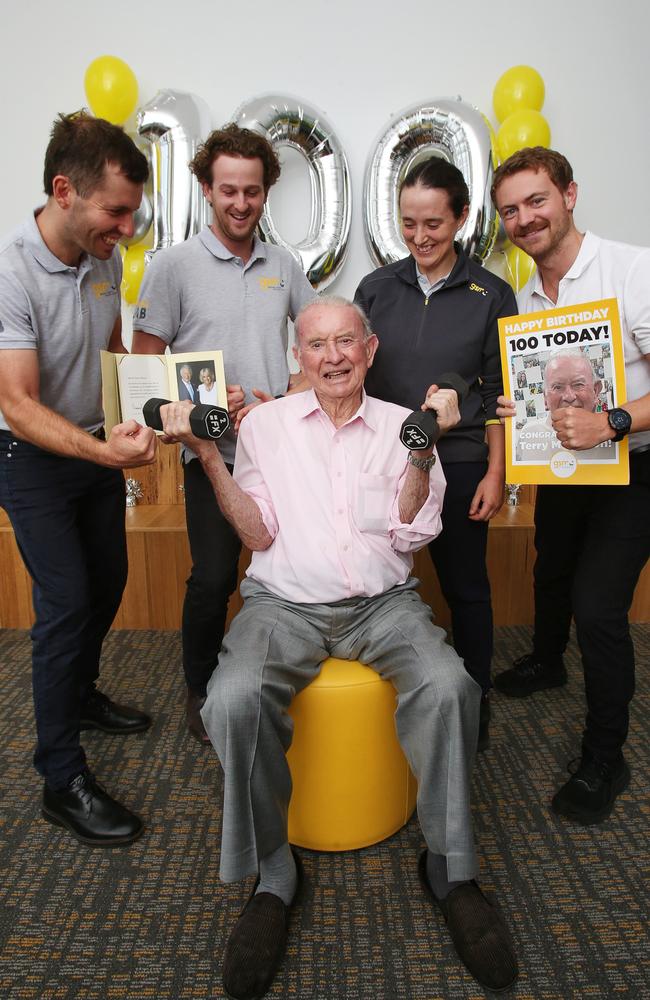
(580, 429)
(444, 403)
(175, 418)
(505, 407)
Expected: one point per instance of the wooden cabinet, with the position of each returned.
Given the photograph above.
(159, 561)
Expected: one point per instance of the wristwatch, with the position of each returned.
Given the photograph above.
(426, 464)
(620, 421)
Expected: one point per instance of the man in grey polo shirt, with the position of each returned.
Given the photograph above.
(223, 289)
(60, 479)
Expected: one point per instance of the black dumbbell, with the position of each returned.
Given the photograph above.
(420, 430)
(206, 421)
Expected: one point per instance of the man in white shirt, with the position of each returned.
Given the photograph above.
(581, 529)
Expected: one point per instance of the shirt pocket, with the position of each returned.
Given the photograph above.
(375, 502)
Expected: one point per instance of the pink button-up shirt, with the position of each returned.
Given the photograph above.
(328, 499)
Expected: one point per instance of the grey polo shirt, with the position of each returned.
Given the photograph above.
(66, 314)
(197, 296)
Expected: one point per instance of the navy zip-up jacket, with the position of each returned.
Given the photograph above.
(453, 330)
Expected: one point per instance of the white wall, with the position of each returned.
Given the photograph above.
(357, 62)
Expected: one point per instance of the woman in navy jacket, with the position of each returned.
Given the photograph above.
(436, 311)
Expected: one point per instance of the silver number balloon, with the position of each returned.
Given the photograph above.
(175, 122)
(287, 121)
(448, 128)
(143, 218)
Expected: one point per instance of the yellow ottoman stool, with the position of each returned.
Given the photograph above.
(352, 785)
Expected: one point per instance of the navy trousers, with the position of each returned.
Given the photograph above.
(68, 519)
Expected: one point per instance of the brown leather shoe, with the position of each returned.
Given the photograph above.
(257, 943)
(195, 703)
(479, 933)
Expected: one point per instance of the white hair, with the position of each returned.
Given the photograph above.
(333, 301)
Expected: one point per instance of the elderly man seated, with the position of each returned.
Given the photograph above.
(332, 506)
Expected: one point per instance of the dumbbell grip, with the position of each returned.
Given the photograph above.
(207, 422)
(421, 430)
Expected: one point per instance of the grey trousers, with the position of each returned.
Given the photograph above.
(274, 649)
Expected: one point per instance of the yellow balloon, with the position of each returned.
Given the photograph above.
(133, 266)
(522, 128)
(520, 87)
(519, 267)
(111, 89)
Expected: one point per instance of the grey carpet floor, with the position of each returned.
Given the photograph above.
(150, 921)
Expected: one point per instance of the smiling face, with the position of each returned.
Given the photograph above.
(537, 216)
(569, 381)
(207, 378)
(334, 353)
(96, 223)
(237, 197)
(429, 228)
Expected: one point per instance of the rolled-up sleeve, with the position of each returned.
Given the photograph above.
(427, 523)
(248, 476)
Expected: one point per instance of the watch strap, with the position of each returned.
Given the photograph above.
(425, 464)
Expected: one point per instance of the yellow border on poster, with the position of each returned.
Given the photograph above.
(532, 335)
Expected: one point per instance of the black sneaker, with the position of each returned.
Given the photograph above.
(589, 794)
(529, 674)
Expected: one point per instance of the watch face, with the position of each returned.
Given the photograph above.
(620, 421)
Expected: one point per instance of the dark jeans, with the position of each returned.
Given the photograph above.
(458, 555)
(215, 549)
(68, 519)
(592, 543)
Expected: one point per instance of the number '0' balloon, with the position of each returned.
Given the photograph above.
(287, 121)
(449, 128)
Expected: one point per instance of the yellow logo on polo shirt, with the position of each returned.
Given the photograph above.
(266, 283)
(477, 288)
(102, 288)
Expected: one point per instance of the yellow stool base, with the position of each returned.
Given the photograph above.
(352, 785)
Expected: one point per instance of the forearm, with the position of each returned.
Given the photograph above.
(31, 421)
(414, 492)
(236, 506)
(496, 450)
(639, 410)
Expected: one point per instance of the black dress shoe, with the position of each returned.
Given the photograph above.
(257, 943)
(195, 703)
(99, 712)
(590, 793)
(479, 932)
(90, 814)
(529, 674)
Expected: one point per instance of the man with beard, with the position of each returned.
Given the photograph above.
(580, 529)
(221, 290)
(60, 478)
